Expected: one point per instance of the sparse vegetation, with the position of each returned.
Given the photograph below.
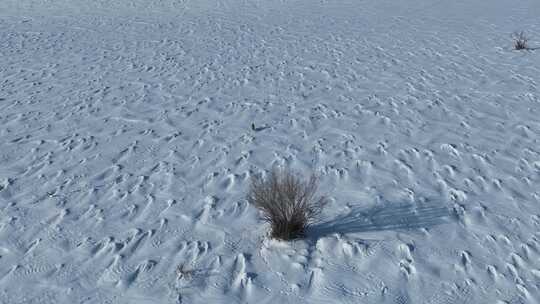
(182, 272)
(520, 41)
(287, 202)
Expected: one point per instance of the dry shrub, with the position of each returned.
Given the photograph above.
(287, 202)
(520, 41)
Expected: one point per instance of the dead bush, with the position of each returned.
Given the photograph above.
(520, 41)
(287, 202)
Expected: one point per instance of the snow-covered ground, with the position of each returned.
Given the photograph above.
(126, 149)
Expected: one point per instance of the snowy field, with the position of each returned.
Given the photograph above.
(126, 149)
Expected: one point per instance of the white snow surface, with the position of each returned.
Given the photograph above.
(126, 150)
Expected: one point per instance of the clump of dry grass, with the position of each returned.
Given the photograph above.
(183, 272)
(287, 202)
(520, 41)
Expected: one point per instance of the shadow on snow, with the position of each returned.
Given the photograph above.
(383, 218)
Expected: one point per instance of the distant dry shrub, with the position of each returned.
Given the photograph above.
(182, 272)
(287, 202)
(520, 41)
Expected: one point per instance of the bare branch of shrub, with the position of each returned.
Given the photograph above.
(287, 202)
(520, 41)
(183, 272)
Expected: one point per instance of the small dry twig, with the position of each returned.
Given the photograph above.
(182, 272)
